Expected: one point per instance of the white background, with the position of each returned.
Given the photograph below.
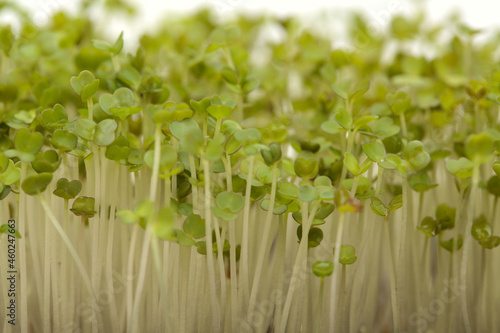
(482, 14)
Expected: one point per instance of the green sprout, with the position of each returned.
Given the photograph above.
(210, 169)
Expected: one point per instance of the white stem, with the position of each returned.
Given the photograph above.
(233, 276)
(210, 258)
(333, 290)
(47, 327)
(109, 256)
(300, 264)
(74, 254)
(94, 225)
(23, 315)
(130, 271)
(402, 251)
(319, 307)
(392, 277)
(140, 283)
(243, 281)
(466, 246)
(147, 235)
(263, 248)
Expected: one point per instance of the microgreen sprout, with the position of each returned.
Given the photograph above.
(234, 184)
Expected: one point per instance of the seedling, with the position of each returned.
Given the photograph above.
(219, 177)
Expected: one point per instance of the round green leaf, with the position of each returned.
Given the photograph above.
(479, 147)
(323, 268)
(194, 226)
(375, 151)
(461, 168)
(351, 163)
(347, 256)
(66, 189)
(416, 156)
(231, 201)
(248, 136)
(288, 190)
(306, 169)
(84, 206)
(493, 185)
(85, 84)
(219, 111)
(344, 119)
(378, 207)
(308, 193)
(64, 140)
(105, 132)
(496, 168)
(34, 185)
(26, 145)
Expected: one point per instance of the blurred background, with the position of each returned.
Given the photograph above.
(325, 15)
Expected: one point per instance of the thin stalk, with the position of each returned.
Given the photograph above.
(450, 306)
(167, 295)
(233, 276)
(115, 62)
(350, 142)
(185, 264)
(64, 273)
(173, 187)
(47, 327)
(483, 311)
(344, 320)
(147, 235)
(56, 283)
(402, 248)
(46, 279)
(228, 169)
(222, 270)
(23, 315)
(380, 176)
(366, 235)
(494, 215)
(140, 283)
(205, 126)
(210, 258)
(94, 226)
(402, 119)
(319, 307)
(342, 142)
(192, 169)
(300, 264)
(243, 281)
(156, 164)
(456, 232)
(355, 183)
(218, 125)
(280, 260)
(190, 297)
(74, 254)
(466, 246)
(392, 276)
(130, 271)
(423, 263)
(420, 207)
(90, 107)
(333, 290)
(162, 279)
(80, 246)
(109, 255)
(263, 248)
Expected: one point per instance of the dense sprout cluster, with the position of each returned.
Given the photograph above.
(215, 180)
